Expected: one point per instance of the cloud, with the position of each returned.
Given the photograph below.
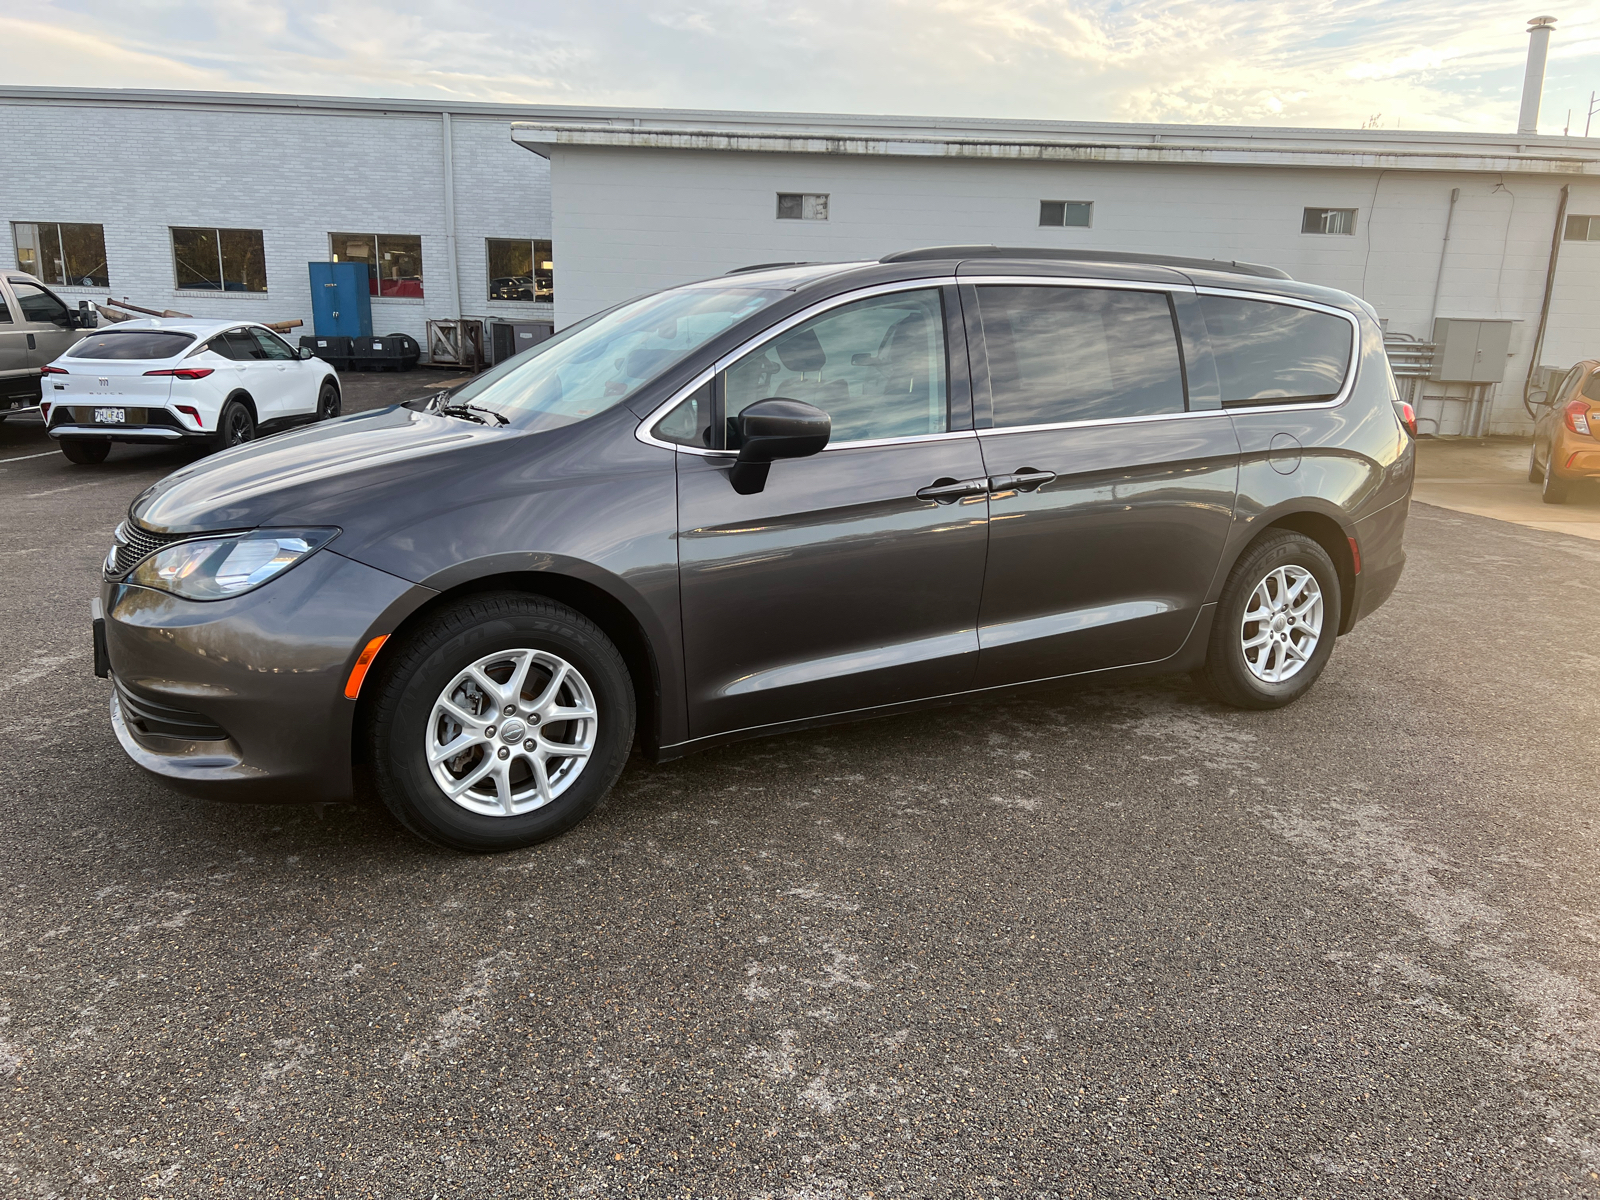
(1304, 62)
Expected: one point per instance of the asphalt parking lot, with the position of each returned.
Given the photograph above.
(1119, 942)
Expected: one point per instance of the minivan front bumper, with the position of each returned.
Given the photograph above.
(265, 671)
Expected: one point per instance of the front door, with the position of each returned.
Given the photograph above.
(48, 322)
(1113, 496)
(837, 588)
(17, 386)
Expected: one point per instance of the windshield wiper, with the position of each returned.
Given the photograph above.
(468, 412)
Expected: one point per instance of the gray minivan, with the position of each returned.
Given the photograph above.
(36, 327)
(780, 498)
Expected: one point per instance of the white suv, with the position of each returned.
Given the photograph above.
(161, 380)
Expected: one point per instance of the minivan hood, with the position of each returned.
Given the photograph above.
(296, 475)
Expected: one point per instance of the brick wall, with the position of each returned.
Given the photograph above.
(297, 176)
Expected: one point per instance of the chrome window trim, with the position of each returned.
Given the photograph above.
(644, 429)
(642, 432)
(1095, 421)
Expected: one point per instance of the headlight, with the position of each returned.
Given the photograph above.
(216, 568)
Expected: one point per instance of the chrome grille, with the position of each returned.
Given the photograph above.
(131, 543)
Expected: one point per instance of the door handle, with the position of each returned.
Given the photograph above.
(1025, 480)
(948, 491)
(31, 346)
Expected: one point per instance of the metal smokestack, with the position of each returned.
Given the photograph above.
(1533, 81)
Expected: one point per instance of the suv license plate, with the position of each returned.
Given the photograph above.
(110, 416)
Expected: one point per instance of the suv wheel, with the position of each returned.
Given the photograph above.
(86, 451)
(500, 722)
(328, 403)
(1275, 624)
(236, 425)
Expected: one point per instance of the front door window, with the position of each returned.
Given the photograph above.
(875, 366)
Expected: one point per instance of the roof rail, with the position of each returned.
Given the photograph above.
(1106, 256)
(764, 267)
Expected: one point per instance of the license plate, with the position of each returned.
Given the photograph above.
(110, 416)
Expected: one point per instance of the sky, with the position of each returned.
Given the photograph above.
(1347, 64)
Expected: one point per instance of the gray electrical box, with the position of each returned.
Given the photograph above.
(1470, 350)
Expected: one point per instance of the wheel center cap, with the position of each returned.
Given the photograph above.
(513, 731)
(1279, 623)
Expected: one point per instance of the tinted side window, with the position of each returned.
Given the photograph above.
(272, 346)
(1591, 387)
(876, 366)
(37, 304)
(240, 345)
(1079, 354)
(1275, 353)
(5, 313)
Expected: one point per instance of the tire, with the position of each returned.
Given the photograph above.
(329, 404)
(86, 451)
(1535, 474)
(498, 633)
(1277, 559)
(236, 425)
(1555, 490)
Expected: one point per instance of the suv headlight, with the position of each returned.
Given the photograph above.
(219, 567)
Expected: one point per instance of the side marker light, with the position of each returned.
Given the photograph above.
(358, 673)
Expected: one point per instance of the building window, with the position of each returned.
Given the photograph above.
(1066, 212)
(67, 255)
(219, 260)
(394, 260)
(520, 269)
(1328, 220)
(1583, 229)
(802, 206)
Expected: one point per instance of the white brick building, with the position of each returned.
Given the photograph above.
(638, 199)
(639, 205)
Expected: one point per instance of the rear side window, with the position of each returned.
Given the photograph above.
(1591, 387)
(1059, 354)
(133, 343)
(1276, 353)
(240, 345)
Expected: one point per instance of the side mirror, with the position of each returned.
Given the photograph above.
(774, 429)
(305, 352)
(87, 318)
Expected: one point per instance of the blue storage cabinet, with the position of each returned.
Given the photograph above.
(341, 299)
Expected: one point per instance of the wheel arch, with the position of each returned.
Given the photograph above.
(1334, 538)
(586, 597)
(246, 397)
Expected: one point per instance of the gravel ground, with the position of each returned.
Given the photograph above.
(1117, 943)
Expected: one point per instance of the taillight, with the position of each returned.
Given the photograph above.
(1578, 416)
(185, 372)
(1408, 418)
(192, 413)
(52, 371)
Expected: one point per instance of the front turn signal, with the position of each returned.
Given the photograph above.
(358, 673)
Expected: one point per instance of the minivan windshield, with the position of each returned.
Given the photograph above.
(597, 364)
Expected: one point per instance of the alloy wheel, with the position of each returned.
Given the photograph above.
(1282, 623)
(511, 732)
(240, 428)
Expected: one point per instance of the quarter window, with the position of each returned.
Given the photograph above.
(1059, 354)
(1065, 212)
(520, 269)
(394, 260)
(219, 260)
(69, 255)
(1328, 220)
(876, 367)
(1270, 353)
(802, 206)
